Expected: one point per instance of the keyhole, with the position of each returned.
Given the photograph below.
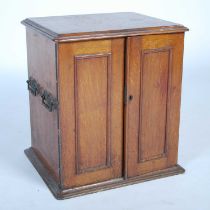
(130, 97)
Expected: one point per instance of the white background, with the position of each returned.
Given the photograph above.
(20, 185)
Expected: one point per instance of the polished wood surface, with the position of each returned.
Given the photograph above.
(116, 79)
(91, 26)
(44, 127)
(91, 110)
(154, 70)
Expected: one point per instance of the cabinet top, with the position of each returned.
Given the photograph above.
(97, 26)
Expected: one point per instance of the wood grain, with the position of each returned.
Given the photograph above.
(94, 26)
(44, 124)
(154, 70)
(154, 80)
(91, 110)
(117, 78)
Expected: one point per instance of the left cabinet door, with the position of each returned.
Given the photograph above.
(91, 78)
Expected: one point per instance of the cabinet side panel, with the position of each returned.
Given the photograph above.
(44, 124)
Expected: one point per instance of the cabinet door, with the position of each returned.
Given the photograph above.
(91, 79)
(153, 76)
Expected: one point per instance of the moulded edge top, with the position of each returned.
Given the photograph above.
(98, 26)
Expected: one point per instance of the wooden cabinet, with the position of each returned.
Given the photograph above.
(104, 100)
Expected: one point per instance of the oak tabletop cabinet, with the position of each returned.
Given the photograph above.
(104, 100)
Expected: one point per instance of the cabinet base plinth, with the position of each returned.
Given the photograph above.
(72, 192)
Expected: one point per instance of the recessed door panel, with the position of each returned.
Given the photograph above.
(153, 77)
(92, 97)
(91, 111)
(153, 104)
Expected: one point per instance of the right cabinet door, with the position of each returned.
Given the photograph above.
(153, 79)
